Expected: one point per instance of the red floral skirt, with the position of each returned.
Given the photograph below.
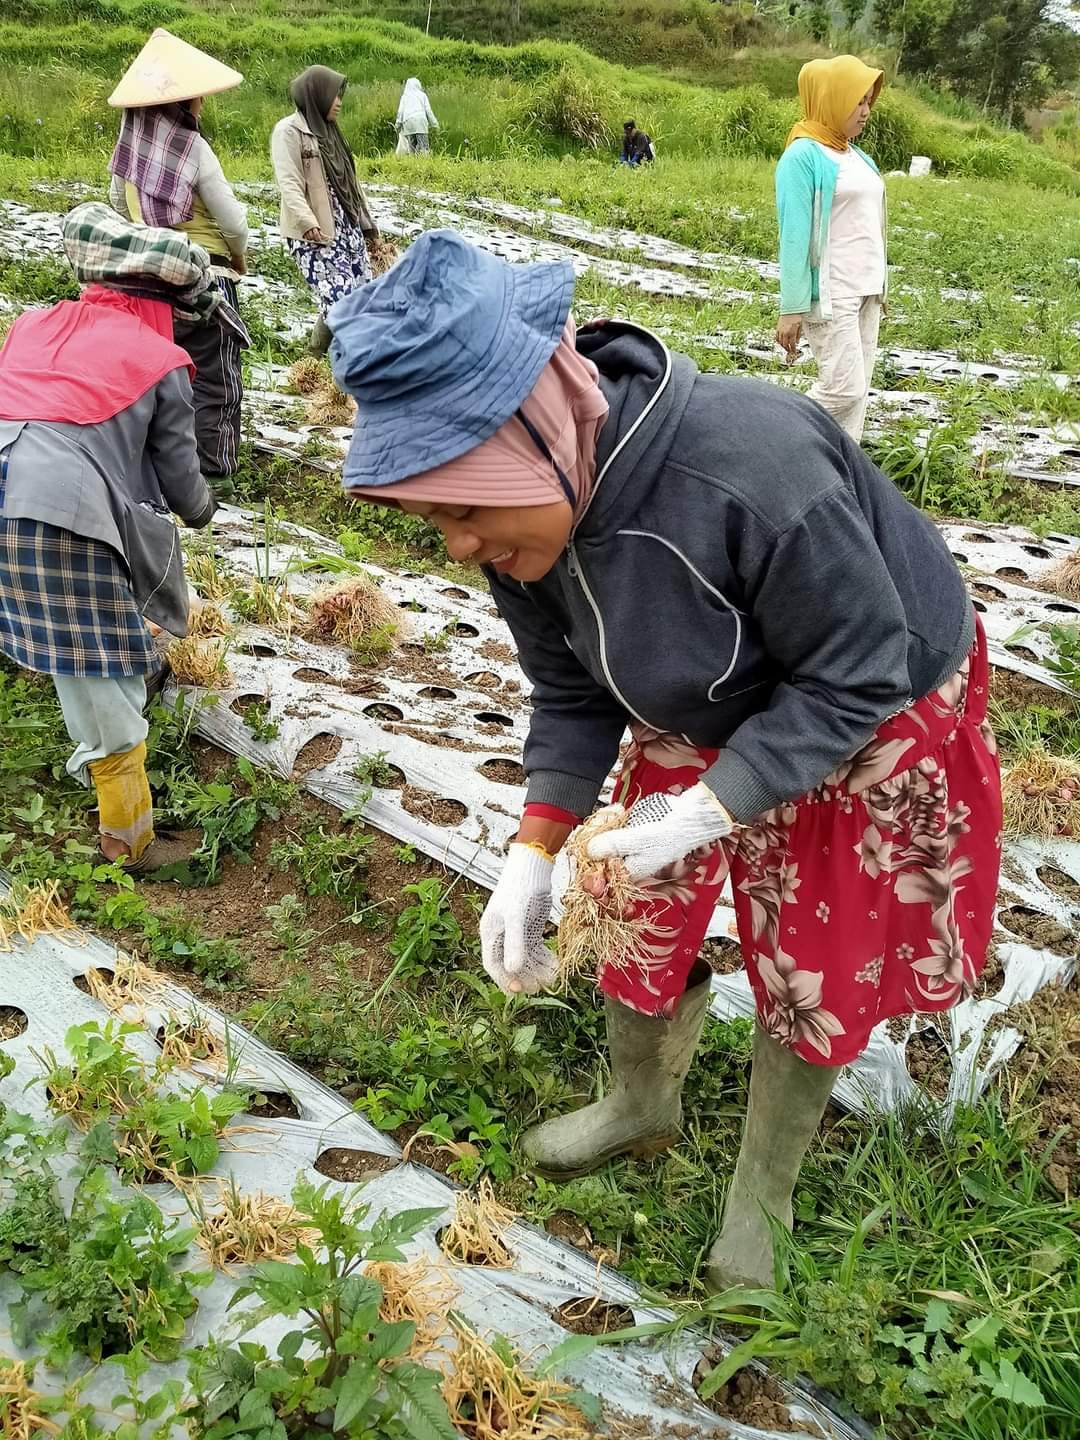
(871, 896)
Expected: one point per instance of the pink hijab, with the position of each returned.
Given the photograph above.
(566, 407)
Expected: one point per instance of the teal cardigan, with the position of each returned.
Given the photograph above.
(805, 185)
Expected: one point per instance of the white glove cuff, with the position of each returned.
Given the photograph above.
(527, 868)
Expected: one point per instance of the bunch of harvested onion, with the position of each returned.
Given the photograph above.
(600, 924)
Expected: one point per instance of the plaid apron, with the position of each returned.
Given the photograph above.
(66, 607)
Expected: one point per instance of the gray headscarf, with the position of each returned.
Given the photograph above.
(313, 92)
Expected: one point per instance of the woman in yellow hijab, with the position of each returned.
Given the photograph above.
(830, 200)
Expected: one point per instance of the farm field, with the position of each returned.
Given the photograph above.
(307, 1008)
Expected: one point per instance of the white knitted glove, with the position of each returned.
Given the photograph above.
(662, 829)
(512, 926)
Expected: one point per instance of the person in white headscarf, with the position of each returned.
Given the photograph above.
(415, 116)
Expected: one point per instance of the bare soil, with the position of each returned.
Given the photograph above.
(1019, 692)
(928, 1062)
(1061, 884)
(1042, 931)
(993, 975)
(353, 1166)
(586, 1315)
(755, 1399)
(724, 956)
(503, 772)
(318, 751)
(436, 809)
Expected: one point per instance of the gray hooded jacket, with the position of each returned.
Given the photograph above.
(120, 481)
(743, 576)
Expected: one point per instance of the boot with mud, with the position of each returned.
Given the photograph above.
(321, 335)
(787, 1100)
(642, 1112)
(168, 848)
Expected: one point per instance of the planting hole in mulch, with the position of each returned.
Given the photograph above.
(435, 809)
(318, 751)
(492, 717)
(1038, 551)
(1010, 572)
(987, 592)
(1041, 931)
(929, 1062)
(355, 1167)
(13, 1021)
(753, 1399)
(452, 592)
(1061, 884)
(314, 677)
(959, 558)
(993, 975)
(412, 605)
(483, 680)
(261, 652)
(81, 982)
(466, 632)
(723, 956)
(480, 1257)
(437, 692)
(242, 702)
(1062, 608)
(1023, 653)
(382, 711)
(978, 604)
(503, 772)
(273, 1105)
(975, 537)
(586, 1315)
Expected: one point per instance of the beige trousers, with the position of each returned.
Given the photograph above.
(845, 348)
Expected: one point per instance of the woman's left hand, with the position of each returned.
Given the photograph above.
(662, 829)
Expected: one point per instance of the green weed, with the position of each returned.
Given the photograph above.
(354, 1366)
(327, 862)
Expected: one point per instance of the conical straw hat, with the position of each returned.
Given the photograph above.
(168, 69)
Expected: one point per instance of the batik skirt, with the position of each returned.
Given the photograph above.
(337, 269)
(871, 896)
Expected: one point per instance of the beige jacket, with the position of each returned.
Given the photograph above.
(301, 179)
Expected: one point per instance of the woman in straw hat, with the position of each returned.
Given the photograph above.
(712, 562)
(97, 447)
(325, 219)
(164, 173)
(831, 204)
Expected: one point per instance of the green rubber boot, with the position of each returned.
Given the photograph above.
(642, 1112)
(321, 335)
(787, 1100)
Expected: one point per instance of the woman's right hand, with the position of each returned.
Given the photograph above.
(512, 927)
(314, 236)
(789, 333)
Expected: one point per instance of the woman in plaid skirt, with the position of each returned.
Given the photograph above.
(165, 173)
(97, 452)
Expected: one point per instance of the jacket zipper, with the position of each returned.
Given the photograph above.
(575, 571)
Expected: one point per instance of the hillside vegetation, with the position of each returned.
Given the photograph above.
(59, 60)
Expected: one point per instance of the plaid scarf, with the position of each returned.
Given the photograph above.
(156, 153)
(144, 260)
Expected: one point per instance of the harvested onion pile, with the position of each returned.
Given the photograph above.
(1041, 795)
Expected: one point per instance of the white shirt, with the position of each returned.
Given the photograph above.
(856, 229)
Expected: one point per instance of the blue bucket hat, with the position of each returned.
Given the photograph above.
(440, 351)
